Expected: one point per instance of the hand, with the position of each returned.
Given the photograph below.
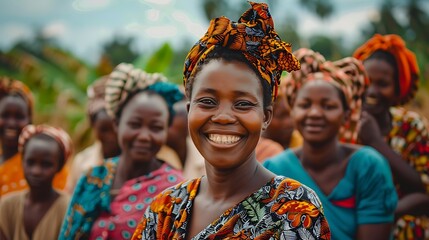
(368, 130)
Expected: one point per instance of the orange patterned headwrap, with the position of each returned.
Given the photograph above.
(348, 75)
(10, 86)
(408, 70)
(57, 134)
(254, 36)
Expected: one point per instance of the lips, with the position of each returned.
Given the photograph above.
(371, 101)
(11, 133)
(314, 127)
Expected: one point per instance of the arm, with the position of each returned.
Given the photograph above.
(374, 231)
(376, 197)
(369, 134)
(413, 204)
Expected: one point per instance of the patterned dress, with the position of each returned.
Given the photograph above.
(409, 138)
(93, 214)
(281, 209)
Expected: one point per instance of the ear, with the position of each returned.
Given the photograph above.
(268, 116)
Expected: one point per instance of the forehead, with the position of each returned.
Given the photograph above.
(318, 88)
(14, 101)
(43, 145)
(151, 104)
(227, 77)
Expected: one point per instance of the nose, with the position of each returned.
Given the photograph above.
(315, 111)
(224, 115)
(372, 91)
(144, 134)
(36, 170)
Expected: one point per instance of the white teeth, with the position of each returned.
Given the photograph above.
(10, 132)
(224, 139)
(371, 101)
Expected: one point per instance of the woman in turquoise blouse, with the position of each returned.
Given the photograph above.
(354, 183)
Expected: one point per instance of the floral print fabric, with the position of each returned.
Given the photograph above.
(409, 138)
(281, 209)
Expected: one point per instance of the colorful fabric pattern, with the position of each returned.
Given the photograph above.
(93, 214)
(408, 69)
(348, 75)
(11, 86)
(282, 209)
(365, 194)
(12, 176)
(57, 134)
(409, 138)
(125, 80)
(254, 36)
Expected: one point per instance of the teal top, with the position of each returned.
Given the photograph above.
(365, 195)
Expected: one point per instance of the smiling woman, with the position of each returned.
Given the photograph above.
(109, 199)
(354, 183)
(231, 76)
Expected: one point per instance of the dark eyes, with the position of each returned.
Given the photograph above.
(209, 102)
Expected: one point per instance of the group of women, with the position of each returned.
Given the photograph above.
(340, 157)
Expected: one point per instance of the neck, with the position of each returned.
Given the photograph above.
(9, 152)
(231, 183)
(319, 156)
(41, 194)
(128, 169)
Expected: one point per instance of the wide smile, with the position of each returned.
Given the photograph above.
(11, 133)
(224, 139)
(371, 101)
(314, 127)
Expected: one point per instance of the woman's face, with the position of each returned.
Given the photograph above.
(380, 95)
(318, 112)
(104, 128)
(226, 113)
(143, 126)
(41, 161)
(14, 116)
(281, 127)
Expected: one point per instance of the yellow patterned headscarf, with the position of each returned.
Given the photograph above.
(347, 74)
(255, 37)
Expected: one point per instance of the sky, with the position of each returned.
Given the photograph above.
(83, 26)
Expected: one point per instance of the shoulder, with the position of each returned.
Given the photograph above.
(178, 194)
(288, 189)
(277, 162)
(12, 199)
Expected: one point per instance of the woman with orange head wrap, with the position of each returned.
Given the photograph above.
(231, 77)
(16, 111)
(354, 183)
(398, 134)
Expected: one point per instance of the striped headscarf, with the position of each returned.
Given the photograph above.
(254, 36)
(348, 75)
(406, 63)
(57, 134)
(125, 80)
(10, 86)
(96, 96)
